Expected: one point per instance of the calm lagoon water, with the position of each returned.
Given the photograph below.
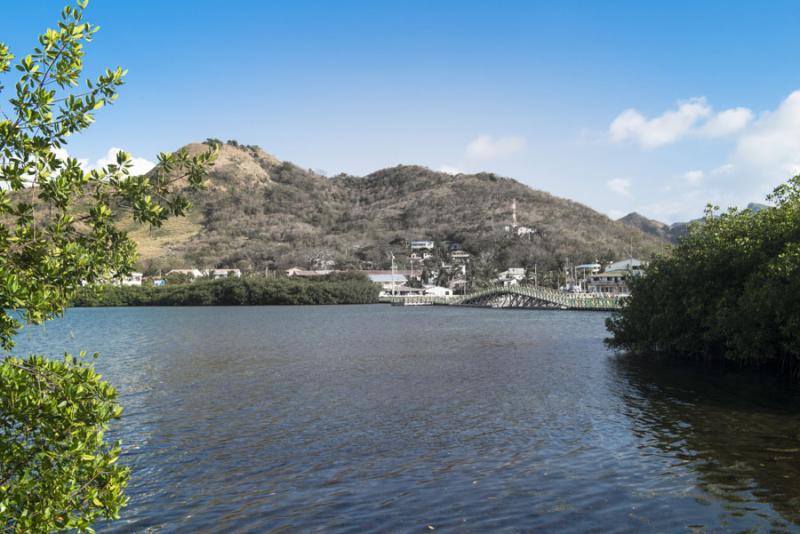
(374, 418)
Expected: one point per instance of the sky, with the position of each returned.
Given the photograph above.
(654, 107)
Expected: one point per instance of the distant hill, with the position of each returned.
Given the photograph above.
(669, 232)
(260, 212)
(756, 206)
(657, 229)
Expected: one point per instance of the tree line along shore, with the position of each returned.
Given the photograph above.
(336, 288)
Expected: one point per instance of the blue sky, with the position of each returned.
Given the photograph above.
(645, 106)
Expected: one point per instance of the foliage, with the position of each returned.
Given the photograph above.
(727, 293)
(58, 232)
(341, 288)
(56, 470)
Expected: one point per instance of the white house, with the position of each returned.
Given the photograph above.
(612, 281)
(389, 282)
(523, 231)
(438, 291)
(512, 276)
(631, 264)
(297, 271)
(216, 274)
(587, 269)
(459, 255)
(194, 273)
(422, 245)
(609, 283)
(134, 279)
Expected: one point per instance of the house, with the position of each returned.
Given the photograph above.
(587, 269)
(523, 231)
(216, 274)
(631, 264)
(609, 283)
(613, 280)
(422, 245)
(134, 279)
(420, 256)
(388, 282)
(460, 255)
(403, 291)
(512, 276)
(437, 291)
(457, 284)
(192, 273)
(303, 273)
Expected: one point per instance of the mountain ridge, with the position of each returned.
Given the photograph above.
(261, 212)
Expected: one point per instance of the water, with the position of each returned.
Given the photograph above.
(374, 418)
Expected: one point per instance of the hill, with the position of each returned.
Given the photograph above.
(669, 232)
(261, 212)
(657, 229)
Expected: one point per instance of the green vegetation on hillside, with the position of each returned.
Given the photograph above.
(259, 212)
(728, 292)
(344, 288)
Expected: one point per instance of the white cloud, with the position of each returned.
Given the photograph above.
(772, 144)
(727, 168)
(138, 165)
(694, 177)
(693, 117)
(450, 170)
(62, 154)
(487, 147)
(621, 186)
(726, 123)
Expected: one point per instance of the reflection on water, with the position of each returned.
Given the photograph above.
(374, 418)
(738, 432)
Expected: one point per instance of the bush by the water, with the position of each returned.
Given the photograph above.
(339, 288)
(729, 292)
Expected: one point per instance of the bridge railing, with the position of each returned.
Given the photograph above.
(577, 301)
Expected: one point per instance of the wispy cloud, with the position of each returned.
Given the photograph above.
(486, 147)
(693, 117)
(694, 177)
(722, 170)
(621, 186)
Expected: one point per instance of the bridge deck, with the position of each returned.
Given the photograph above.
(520, 296)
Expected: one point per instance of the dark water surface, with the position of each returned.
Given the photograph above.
(373, 418)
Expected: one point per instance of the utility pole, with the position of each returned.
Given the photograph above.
(514, 214)
(394, 290)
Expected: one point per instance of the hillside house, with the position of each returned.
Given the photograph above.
(422, 245)
(512, 276)
(388, 282)
(608, 283)
(216, 274)
(613, 280)
(420, 256)
(631, 264)
(587, 269)
(192, 273)
(304, 273)
(460, 256)
(133, 279)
